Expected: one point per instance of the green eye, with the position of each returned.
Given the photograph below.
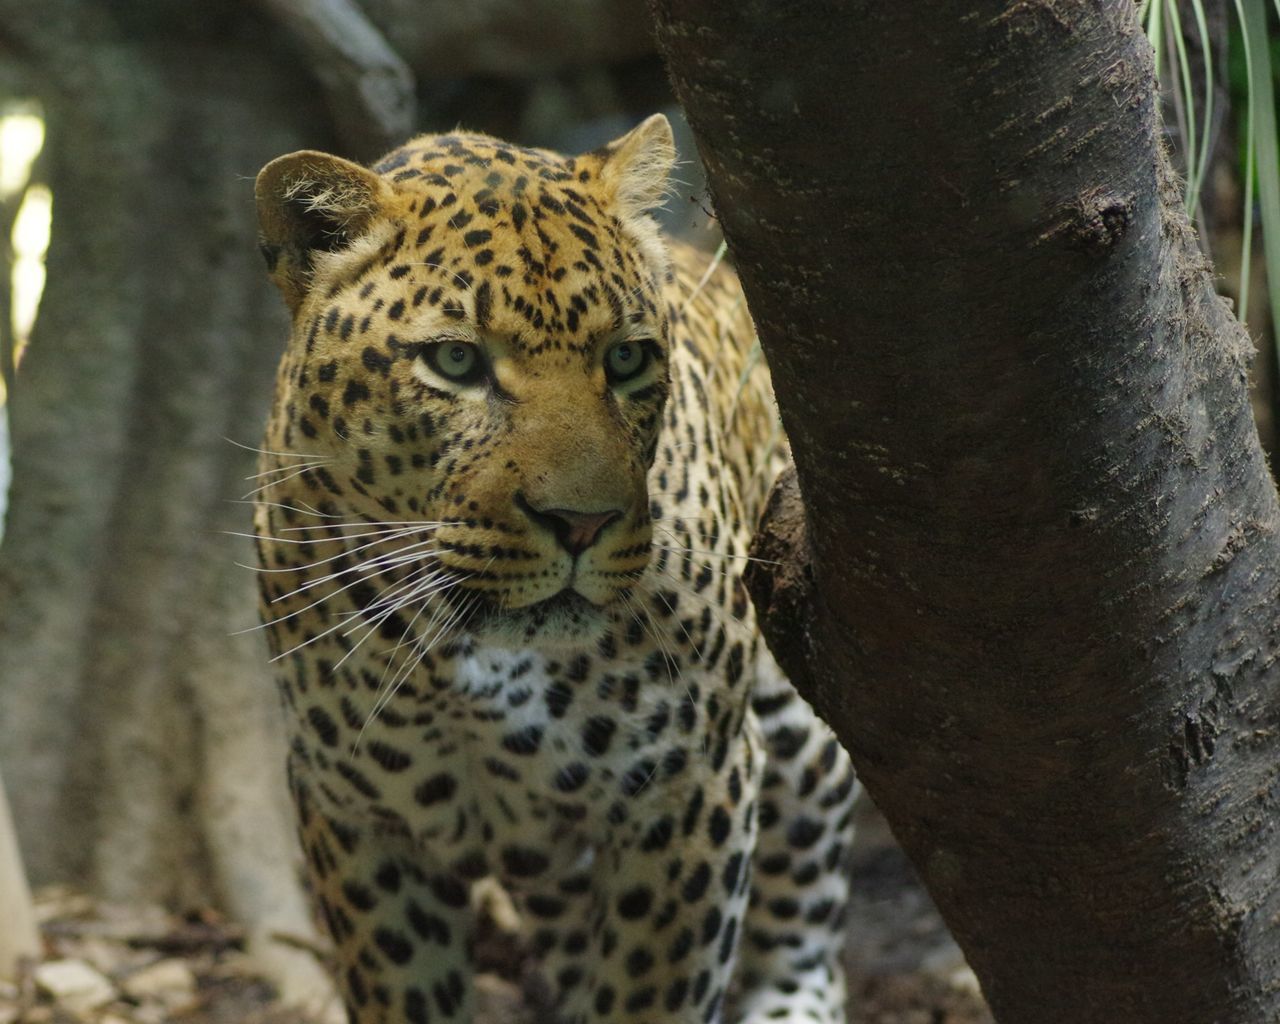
(625, 360)
(457, 360)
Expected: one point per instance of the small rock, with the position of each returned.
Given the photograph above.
(150, 1013)
(169, 981)
(74, 984)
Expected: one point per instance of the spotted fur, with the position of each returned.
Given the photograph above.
(518, 445)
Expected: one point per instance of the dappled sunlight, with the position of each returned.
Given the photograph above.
(22, 136)
(30, 242)
(21, 140)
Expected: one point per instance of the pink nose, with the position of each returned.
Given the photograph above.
(575, 531)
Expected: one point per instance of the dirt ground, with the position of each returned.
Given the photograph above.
(129, 965)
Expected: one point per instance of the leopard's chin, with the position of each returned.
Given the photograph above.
(566, 619)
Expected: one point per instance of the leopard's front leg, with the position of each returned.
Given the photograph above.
(669, 900)
(401, 931)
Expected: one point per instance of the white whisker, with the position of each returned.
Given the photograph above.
(275, 483)
(286, 455)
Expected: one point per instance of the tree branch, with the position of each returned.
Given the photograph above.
(369, 88)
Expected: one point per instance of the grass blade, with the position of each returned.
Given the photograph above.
(1264, 153)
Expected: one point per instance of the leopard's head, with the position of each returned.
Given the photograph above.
(480, 344)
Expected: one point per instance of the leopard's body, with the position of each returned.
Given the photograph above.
(517, 451)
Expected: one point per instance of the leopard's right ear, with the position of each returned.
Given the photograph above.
(309, 204)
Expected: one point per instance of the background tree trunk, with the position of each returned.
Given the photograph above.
(1040, 605)
(138, 733)
(138, 738)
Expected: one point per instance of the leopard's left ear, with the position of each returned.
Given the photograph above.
(636, 168)
(311, 204)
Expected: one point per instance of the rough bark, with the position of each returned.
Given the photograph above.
(138, 738)
(1044, 554)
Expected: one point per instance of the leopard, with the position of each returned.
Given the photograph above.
(518, 446)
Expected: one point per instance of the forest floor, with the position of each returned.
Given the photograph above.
(114, 965)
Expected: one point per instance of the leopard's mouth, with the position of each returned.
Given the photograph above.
(566, 616)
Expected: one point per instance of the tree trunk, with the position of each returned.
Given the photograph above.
(138, 737)
(1039, 601)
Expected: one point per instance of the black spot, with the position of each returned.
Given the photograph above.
(676, 993)
(727, 940)
(545, 907)
(804, 832)
(429, 927)
(635, 902)
(522, 862)
(641, 999)
(398, 949)
(375, 361)
(356, 391)
(388, 877)
(525, 741)
(571, 777)
(584, 236)
(483, 299)
(326, 728)
(658, 836)
(558, 698)
(597, 734)
(711, 925)
(415, 1006)
(732, 872)
(356, 986)
(638, 776)
(358, 781)
(437, 788)
(359, 896)
(674, 761)
(719, 826)
(389, 757)
(692, 812)
(695, 886)
(501, 770)
(783, 907)
(786, 741)
(449, 891)
(681, 947)
(774, 864)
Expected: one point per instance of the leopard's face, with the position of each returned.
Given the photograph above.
(487, 362)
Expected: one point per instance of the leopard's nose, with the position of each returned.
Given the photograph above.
(575, 531)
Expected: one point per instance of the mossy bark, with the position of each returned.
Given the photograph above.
(1040, 598)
